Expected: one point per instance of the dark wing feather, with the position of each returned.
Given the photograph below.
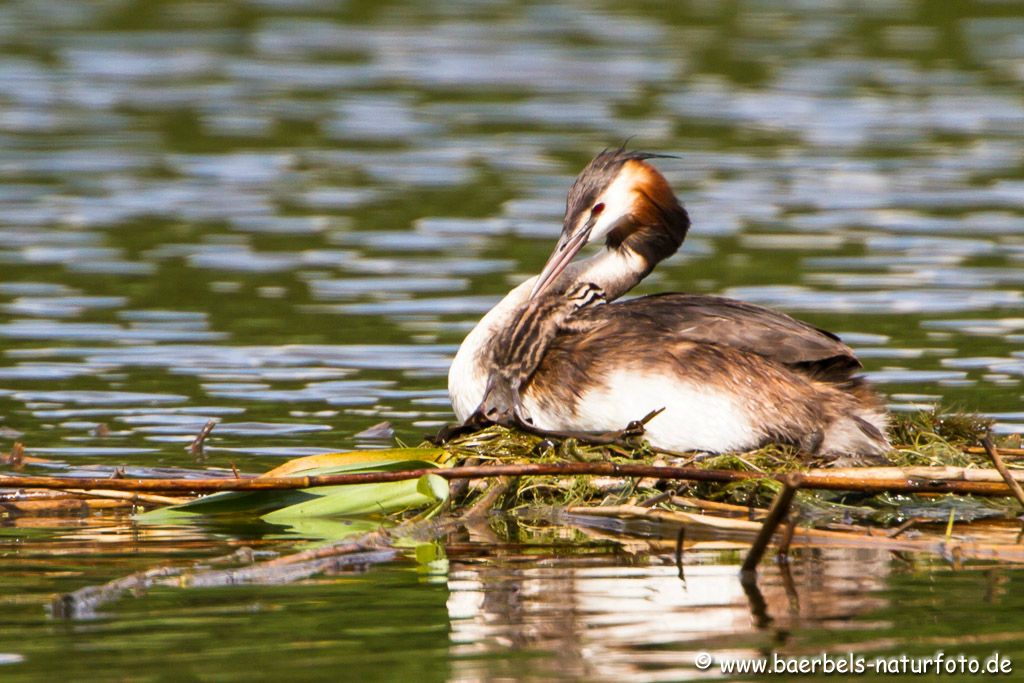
(728, 322)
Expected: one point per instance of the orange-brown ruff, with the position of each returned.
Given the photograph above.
(730, 375)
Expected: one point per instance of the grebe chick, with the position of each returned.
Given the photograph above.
(520, 347)
(730, 375)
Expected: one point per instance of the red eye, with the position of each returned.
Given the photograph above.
(598, 208)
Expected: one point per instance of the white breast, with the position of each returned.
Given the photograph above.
(467, 380)
(696, 417)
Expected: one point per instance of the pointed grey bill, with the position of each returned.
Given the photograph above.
(568, 247)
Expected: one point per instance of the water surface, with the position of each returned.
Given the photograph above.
(285, 216)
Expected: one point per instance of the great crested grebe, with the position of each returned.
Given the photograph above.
(729, 375)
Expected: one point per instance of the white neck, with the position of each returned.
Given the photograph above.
(615, 271)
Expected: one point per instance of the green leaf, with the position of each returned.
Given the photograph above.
(429, 553)
(324, 461)
(240, 503)
(321, 501)
(359, 500)
(431, 485)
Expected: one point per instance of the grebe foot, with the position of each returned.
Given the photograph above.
(637, 427)
(519, 414)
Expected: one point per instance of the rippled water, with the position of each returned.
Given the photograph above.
(285, 215)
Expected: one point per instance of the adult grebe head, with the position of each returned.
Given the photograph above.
(623, 200)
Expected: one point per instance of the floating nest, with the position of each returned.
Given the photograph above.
(923, 439)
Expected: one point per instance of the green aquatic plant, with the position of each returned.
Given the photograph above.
(288, 506)
(939, 425)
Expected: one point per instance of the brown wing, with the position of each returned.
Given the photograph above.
(728, 322)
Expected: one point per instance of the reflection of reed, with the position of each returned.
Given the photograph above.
(601, 617)
(71, 502)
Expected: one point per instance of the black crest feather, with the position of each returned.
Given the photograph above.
(599, 173)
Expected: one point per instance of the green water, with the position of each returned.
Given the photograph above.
(286, 215)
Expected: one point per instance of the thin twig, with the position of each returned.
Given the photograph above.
(271, 573)
(459, 488)
(131, 496)
(369, 548)
(16, 458)
(777, 512)
(871, 480)
(33, 494)
(196, 447)
(654, 500)
(789, 585)
(483, 505)
(913, 521)
(61, 506)
(82, 603)
(981, 450)
(782, 555)
(714, 505)
(680, 539)
(755, 598)
(740, 528)
(1018, 492)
